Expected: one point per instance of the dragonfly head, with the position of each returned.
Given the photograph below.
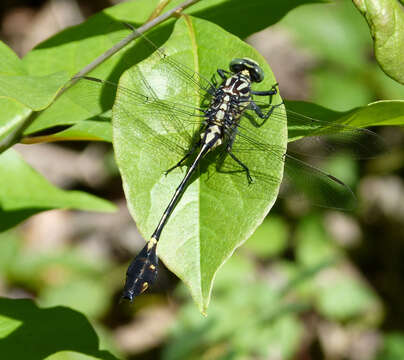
(256, 73)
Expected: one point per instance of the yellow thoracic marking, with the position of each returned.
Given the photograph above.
(220, 114)
(145, 286)
(151, 243)
(209, 136)
(152, 267)
(243, 104)
(213, 130)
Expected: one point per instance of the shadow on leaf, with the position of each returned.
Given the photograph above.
(43, 332)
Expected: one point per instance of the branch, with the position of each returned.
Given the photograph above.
(16, 135)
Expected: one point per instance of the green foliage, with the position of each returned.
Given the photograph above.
(24, 192)
(393, 347)
(344, 76)
(259, 301)
(12, 114)
(329, 289)
(44, 332)
(270, 239)
(33, 91)
(21, 92)
(245, 319)
(386, 22)
(256, 313)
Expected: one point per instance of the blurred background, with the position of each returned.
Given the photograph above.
(311, 283)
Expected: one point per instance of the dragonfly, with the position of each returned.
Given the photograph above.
(216, 126)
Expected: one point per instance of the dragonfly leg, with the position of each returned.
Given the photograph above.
(223, 75)
(245, 168)
(187, 155)
(253, 106)
(272, 91)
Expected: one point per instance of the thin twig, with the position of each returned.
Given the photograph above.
(16, 135)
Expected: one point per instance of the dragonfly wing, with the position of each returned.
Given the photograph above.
(324, 136)
(154, 118)
(316, 186)
(263, 160)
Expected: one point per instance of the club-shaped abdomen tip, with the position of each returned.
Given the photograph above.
(142, 272)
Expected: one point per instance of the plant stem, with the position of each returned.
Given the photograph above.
(16, 135)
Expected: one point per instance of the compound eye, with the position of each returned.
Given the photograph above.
(236, 65)
(257, 74)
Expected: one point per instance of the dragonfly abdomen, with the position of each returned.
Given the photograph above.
(142, 271)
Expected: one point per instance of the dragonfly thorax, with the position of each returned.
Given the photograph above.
(230, 99)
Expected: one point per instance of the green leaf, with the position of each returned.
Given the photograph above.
(24, 192)
(95, 129)
(70, 355)
(343, 298)
(26, 329)
(379, 113)
(10, 62)
(35, 92)
(92, 130)
(20, 93)
(393, 347)
(11, 115)
(207, 225)
(388, 112)
(386, 22)
(244, 18)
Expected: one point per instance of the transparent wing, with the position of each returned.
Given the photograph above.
(319, 138)
(163, 125)
(201, 84)
(264, 160)
(168, 122)
(169, 126)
